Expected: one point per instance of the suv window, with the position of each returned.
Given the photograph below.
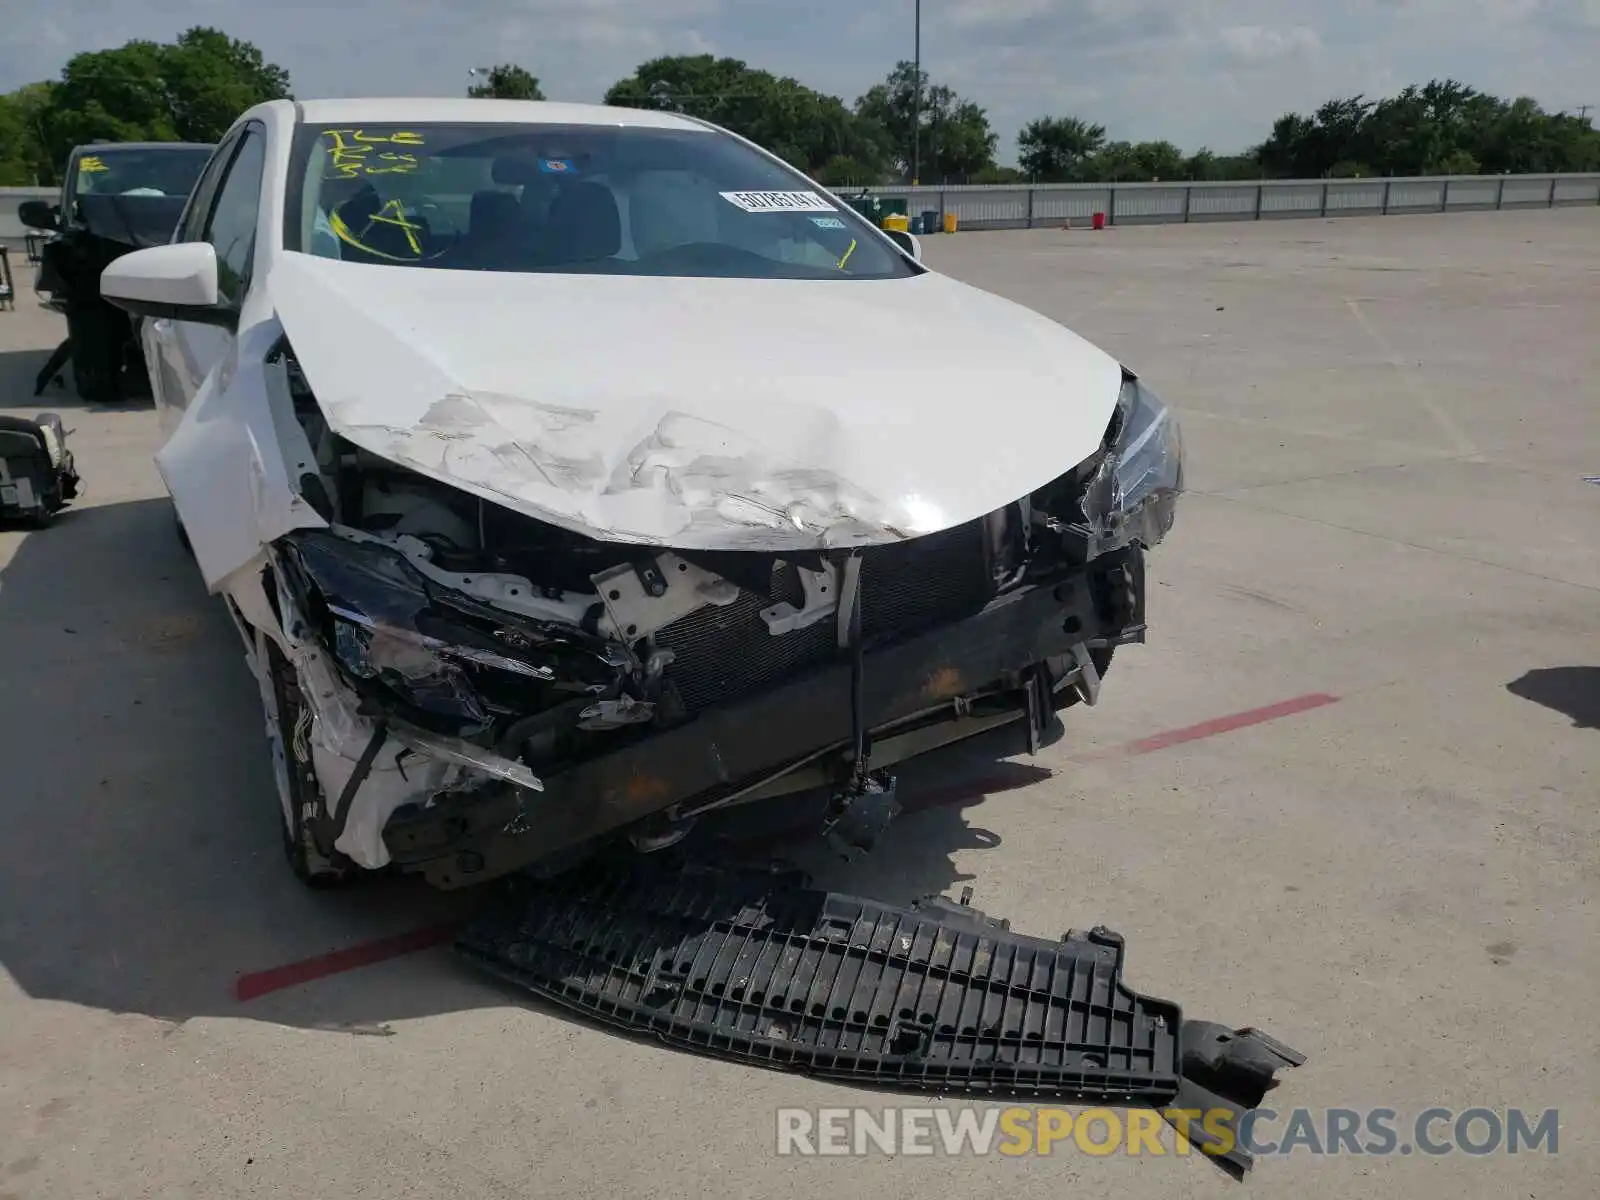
(231, 227)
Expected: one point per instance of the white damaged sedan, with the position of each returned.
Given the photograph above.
(571, 472)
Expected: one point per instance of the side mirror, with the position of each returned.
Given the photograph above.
(39, 214)
(176, 281)
(907, 242)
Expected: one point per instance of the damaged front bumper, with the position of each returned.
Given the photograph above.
(481, 691)
(1018, 659)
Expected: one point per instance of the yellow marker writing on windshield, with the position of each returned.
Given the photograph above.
(351, 153)
(392, 214)
(847, 254)
(393, 164)
(92, 162)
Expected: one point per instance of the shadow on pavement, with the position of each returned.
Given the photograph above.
(18, 373)
(1571, 691)
(141, 869)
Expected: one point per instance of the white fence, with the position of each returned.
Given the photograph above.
(1025, 206)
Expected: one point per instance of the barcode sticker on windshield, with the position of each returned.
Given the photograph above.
(757, 202)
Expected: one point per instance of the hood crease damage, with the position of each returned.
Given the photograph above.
(801, 430)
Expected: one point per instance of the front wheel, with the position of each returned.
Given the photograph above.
(299, 793)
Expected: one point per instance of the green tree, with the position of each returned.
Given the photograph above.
(993, 175)
(24, 111)
(1158, 160)
(956, 142)
(1458, 162)
(1442, 126)
(1307, 147)
(188, 90)
(842, 170)
(1135, 162)
(211, 78)
(1057, 149)
(808, 129)
(507, 82)
(111, 95)
(1115, 162)
(16, 166)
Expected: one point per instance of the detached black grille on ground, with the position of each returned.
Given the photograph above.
(754, 965)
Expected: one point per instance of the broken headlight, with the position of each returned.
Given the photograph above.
(438, 652)
(1133, 493)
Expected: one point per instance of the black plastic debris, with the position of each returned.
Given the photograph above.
(1228, 1071)
(755, 965)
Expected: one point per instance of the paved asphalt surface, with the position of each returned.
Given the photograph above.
(1389, 424)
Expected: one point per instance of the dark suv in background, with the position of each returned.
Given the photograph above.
(115, 197)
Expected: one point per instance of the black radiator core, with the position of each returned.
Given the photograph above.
(721, 654)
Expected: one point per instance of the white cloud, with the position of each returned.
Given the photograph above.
(1247, 45)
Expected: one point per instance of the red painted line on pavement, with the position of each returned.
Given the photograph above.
(1211, 728)
(275, 979)
(260, 983)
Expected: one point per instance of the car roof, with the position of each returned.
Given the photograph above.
(471, 111)
(102, 147)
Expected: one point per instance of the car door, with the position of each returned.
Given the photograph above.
(158, 335)
(189, 352)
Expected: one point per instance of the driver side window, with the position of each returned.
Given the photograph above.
(205, 188)
(231, 225)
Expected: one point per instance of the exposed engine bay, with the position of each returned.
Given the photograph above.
(465, 666)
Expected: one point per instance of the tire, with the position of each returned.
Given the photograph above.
(93, 334)
(299, 779)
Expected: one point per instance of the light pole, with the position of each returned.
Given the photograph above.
(916, 101)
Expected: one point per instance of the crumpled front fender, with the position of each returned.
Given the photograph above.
(227, 464)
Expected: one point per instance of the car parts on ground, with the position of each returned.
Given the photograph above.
(752, 964)
(37, 474)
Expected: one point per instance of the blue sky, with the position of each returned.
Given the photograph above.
(1201, 72)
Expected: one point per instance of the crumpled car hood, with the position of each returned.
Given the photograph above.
(700, 413)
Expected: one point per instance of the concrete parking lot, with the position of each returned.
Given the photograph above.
(1389, 565)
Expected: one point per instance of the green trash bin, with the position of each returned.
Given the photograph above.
(868, 206)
